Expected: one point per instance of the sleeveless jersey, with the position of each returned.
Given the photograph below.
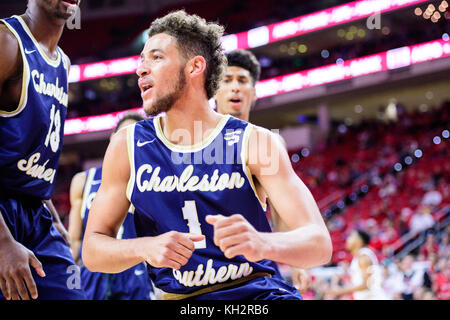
(175, 187)
(375, 291)
(31, 135)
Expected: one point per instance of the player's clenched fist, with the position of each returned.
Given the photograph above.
(171, 249)
(234, 235)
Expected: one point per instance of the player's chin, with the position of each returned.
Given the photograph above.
(150, 110)
(62, 15)
(62, 12)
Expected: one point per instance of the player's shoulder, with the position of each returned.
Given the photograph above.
(9, 45)
(119, 138)
(77, 184)
(261, 135)
(79, 178)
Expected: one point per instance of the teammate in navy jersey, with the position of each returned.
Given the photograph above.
(188, 173)
(236, 96)
(132, 284)
(33, 103)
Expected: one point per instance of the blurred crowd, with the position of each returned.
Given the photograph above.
(405, 208)
(422, 276)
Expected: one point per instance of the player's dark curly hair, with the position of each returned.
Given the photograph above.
(245, 60)
(195, 36)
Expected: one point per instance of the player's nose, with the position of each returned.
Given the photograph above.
(142, 70)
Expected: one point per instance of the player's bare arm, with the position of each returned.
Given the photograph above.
(308, 244)
(102, 252)
(10, 70)
(75, 220)
(15, 273)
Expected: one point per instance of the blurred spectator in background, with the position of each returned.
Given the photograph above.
(444, 247)
(422, 220)
(442, 282)
(412, 278)
(432, 198)
(365, 271)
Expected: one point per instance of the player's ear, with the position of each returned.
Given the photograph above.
(196, 66)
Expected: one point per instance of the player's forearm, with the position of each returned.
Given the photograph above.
(5, 234)
(305, 247)
(76, 245)
(102, 253)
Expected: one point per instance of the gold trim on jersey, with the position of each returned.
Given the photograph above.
(25, 77)
(179, 296)
(130, 148)
(189, 148)
(245, 168)
(86, 191)
(53, 63)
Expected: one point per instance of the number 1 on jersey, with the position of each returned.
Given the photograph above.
(190, 214)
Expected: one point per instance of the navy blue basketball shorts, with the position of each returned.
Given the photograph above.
(31, 224)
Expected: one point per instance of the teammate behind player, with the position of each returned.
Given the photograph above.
(365, 272)
(132, 284)
(236, 96)
(202, 228)
(33, 103)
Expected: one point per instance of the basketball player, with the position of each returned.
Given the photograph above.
(365, 270)
(201, 225)
(33, 102)
(236, 96)
(132, 284)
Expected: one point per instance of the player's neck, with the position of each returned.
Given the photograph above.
(244, 117)
(355, 251)
(194, 121)
(45, 31)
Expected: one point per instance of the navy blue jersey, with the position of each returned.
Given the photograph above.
(175, 187)
(31, 134)
(131, 284)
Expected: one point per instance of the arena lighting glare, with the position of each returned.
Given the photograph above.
(408, 160)
(437, 140)
(398, 167)
(418, 153)
(445, 134)
(295, 158)
(305, 152)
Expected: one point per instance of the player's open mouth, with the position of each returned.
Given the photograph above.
(146, 87)
(235, 101)
(71, 2)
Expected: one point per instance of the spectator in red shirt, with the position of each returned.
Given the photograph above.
(442, 282)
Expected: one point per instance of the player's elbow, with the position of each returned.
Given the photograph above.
(325, 247)
(87, 254)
